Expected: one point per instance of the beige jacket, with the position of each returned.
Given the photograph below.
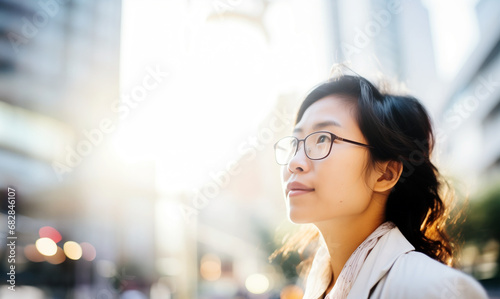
(394, 270)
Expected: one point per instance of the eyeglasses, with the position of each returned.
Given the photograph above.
(317, 146)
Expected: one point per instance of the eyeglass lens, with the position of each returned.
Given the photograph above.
(317, 146)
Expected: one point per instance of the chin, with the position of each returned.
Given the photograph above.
(297, 218)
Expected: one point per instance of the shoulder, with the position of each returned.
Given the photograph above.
(415, 275)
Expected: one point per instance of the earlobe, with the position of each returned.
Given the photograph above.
(391, 172)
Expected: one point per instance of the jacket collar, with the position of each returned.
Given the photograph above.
(377, 264)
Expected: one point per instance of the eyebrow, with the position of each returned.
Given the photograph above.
(320, 125)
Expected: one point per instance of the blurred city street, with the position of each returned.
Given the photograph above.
(136, 136)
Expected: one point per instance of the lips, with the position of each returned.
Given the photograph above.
(296, 188)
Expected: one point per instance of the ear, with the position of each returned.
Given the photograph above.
(391, 171)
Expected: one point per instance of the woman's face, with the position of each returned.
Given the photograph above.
(337, 186)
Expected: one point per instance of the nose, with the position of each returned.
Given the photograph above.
(299, 162)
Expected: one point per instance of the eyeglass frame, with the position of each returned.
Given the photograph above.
(332, 136)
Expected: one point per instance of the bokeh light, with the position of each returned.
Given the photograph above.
(291, 292)
(88, 251)
(32, 254)
(257, 283)
(210, 267)
(57, 258)
(73, 250)
(51, 233)
(46, 246)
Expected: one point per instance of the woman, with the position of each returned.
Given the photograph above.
(358, 168)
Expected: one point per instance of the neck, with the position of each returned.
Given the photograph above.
(344, 234)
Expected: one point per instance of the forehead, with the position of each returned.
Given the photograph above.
(333, 108)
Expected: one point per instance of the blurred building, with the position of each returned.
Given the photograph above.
(59, 77)
(388, 37)
(471, 111)
(470, 148)
(395, 38)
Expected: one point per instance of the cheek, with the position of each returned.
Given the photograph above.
(333, 187)
(342, 183)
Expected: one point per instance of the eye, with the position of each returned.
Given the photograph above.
(323, 138)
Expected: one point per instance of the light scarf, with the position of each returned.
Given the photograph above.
(351, 269)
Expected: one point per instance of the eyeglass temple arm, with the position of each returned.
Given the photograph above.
(354, 142)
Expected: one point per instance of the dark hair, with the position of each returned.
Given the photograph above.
(399, 129)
